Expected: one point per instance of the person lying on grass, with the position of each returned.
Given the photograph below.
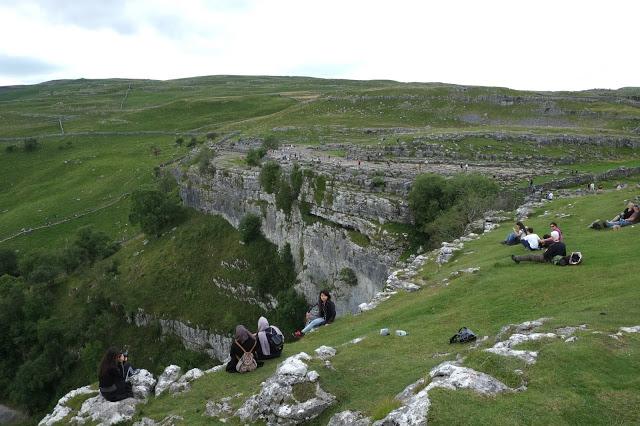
(617, 224)
(326, 314)
(557, 248)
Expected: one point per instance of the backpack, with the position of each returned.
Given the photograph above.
(246, 362)
(560, 260)
(276, 341)
(575, 258)
(463, 335)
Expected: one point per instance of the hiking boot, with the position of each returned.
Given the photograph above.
(514, 259)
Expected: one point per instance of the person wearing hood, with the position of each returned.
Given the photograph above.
(327, 314)
(270, 340)
(243, 342)
(557, 248)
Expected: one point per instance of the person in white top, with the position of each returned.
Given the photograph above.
(531, 240)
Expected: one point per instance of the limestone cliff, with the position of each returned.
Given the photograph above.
(337, 229)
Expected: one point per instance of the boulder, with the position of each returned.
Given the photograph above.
(168, 376)
(60, 411)
(183, 384)
(167, 421)
(276, 404)
(325, 352)
(143, 384)
(99, 410)
(349, 418)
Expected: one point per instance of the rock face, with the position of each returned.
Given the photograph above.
(349, 418)
(193, 338)
(276, 403)
(183, 384)
(322, 246)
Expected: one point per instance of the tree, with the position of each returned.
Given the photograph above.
(93, 245)
(250, 228)
(154, 211)
(8, 262)
(179, 141)
(428, 198)
(269, 176)
(254, 156)
(270, 142)
(155, 150)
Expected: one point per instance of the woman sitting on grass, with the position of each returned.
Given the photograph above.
(326, 314)
(516, 235)
(243, 342)
(270, 340)
(113, 386)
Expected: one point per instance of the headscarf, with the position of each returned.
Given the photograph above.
(242, 334)
(263, 324)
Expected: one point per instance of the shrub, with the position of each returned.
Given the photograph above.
(427, 198)
(270, 142)
(320, 186)
(41, 267)
(193, 142)
(348, 276)
(378, 182)
(154, 211)
(8, 262)
(284, 197)
(179, 141)
(10, 148)
(94, 245)
(31, 144)
(250, 228)
(203, 159)
(212, 135)
(270, 176)
(254, 156)
(297, 180)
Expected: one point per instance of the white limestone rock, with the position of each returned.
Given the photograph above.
(167, 421)
(325, 352)
(448, 375)
(168, 376)
(183, 384)
(106, 413)
(504, 348)
(60, 411)
(143, 384)
(349, 418)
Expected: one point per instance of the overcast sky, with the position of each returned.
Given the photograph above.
(540, 45)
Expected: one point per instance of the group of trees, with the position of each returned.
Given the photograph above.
(442, 208)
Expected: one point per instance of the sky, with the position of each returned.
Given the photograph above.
(527, 45)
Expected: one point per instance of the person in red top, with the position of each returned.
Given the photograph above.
(547, 240)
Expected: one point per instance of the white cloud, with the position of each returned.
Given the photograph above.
(568, 45)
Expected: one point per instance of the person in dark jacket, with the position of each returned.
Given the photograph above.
(245, 339)
(268, 338)
(327, 314)
(557, 248)
(113, 386)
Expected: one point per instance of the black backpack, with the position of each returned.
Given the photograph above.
(276, 341)
(463, 335)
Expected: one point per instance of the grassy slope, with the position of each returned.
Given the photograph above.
(591, 381)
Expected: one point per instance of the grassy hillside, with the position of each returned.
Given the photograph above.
(590, 381)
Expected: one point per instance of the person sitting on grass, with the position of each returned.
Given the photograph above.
(113, 387)
(531, 241)
(547, 239)
(243, 342)
(617, 224)
(327, 313)
(516, 235)
(557, 248)
(270, 339)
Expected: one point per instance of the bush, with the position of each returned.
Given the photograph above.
(428, 198)
(93, 245)
(250, 228)
(8, 262)
(154, 211)
(378, 182)
(212, 135)
(284, 197)
(179, 141)
(193, 142)
(203, 159)
(254, 156)
(270, 177)
(10, 148)
(297, 180)
(270, 142)
(348, 276)
(41, 267)
(320, 187)
(31, 144)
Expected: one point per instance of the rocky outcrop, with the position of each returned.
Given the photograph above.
(277, 404)
(61, 410)
(321, 239)
(193, 338)
(167, 378)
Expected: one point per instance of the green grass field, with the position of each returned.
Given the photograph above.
(591, 381)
